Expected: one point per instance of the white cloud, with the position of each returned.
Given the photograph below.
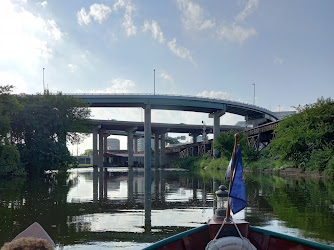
(26, 39)
(119, 4)
(278, 60)
(72, 67)
(235, 33)
(165, 76)
(83, 17)
(129, 27)
(251, 6)
(127, 24)
(180, 51)
(193, 17)
(155, 29)
(98, 12)
(52, 29)
(43, 4)
(214, 94)
(119, 85)
(14, 79)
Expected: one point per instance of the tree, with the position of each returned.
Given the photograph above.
(88, 152)
(307, 137)
(43, 127)
(225, 145)
(172, 140)
(9, 155)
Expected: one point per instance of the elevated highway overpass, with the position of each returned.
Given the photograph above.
(214, 107)
(178, 102)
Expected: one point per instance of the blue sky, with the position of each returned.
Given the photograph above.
(212, 48)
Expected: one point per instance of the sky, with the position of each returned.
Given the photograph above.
(219, 48)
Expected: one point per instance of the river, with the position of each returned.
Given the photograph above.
(86, 210)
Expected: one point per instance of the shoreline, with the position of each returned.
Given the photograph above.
(294, 173)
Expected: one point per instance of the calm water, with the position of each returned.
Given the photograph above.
(86, 210)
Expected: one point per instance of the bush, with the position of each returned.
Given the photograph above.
(9, 159)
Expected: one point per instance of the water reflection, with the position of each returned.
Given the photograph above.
(103, 208)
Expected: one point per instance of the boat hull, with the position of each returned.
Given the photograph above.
(198, 238)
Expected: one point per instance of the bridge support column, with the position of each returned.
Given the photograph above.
(156, 149)
(135, 150)
(257, 122)
(147, 166)
(130, 133)
(163, 150)
(194, 136)
(95, 153)
(101, 135)
(105, 149)
(216, 128)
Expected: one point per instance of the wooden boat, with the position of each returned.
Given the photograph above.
(199, 238)
(223, 232)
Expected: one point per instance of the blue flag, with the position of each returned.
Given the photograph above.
(238, 190)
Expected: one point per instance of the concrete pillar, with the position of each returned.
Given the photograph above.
(105, 183)
(163, 150)
(194, 136)
(216, 128)
(156, 150)
(105, 149)
(130, 187)
(147, 167)
(135, 141)
(101, 133)
(129, 133)
(95, 154)
(95, 184)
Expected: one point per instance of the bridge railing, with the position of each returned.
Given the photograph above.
(262, 128)
(189, 96)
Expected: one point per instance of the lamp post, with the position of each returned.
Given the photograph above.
(254, 94)
(154, 80)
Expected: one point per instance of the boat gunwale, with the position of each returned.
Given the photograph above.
(177, 237)
(280, 236)
(276, 235)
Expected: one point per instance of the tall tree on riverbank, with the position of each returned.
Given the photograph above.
(44, 126)
(307, 138)
(9, 155)
(225, 144)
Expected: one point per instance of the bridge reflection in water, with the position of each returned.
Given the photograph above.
(107, 181)
(76, 214)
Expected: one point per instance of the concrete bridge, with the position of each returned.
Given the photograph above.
(214, 107)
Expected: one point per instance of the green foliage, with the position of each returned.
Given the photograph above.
(306, 138)
(319, 159)
(172, 140)
(9, 106)
(225, 144)
(43, 127)
(190, 163)
(9, 160)
(9, 155)
(87, 152)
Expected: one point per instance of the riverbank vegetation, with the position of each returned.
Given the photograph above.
(303, 140)
(34, 130)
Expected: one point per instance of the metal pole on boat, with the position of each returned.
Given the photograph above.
(228, 210)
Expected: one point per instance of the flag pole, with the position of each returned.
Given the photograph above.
(228, 210)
